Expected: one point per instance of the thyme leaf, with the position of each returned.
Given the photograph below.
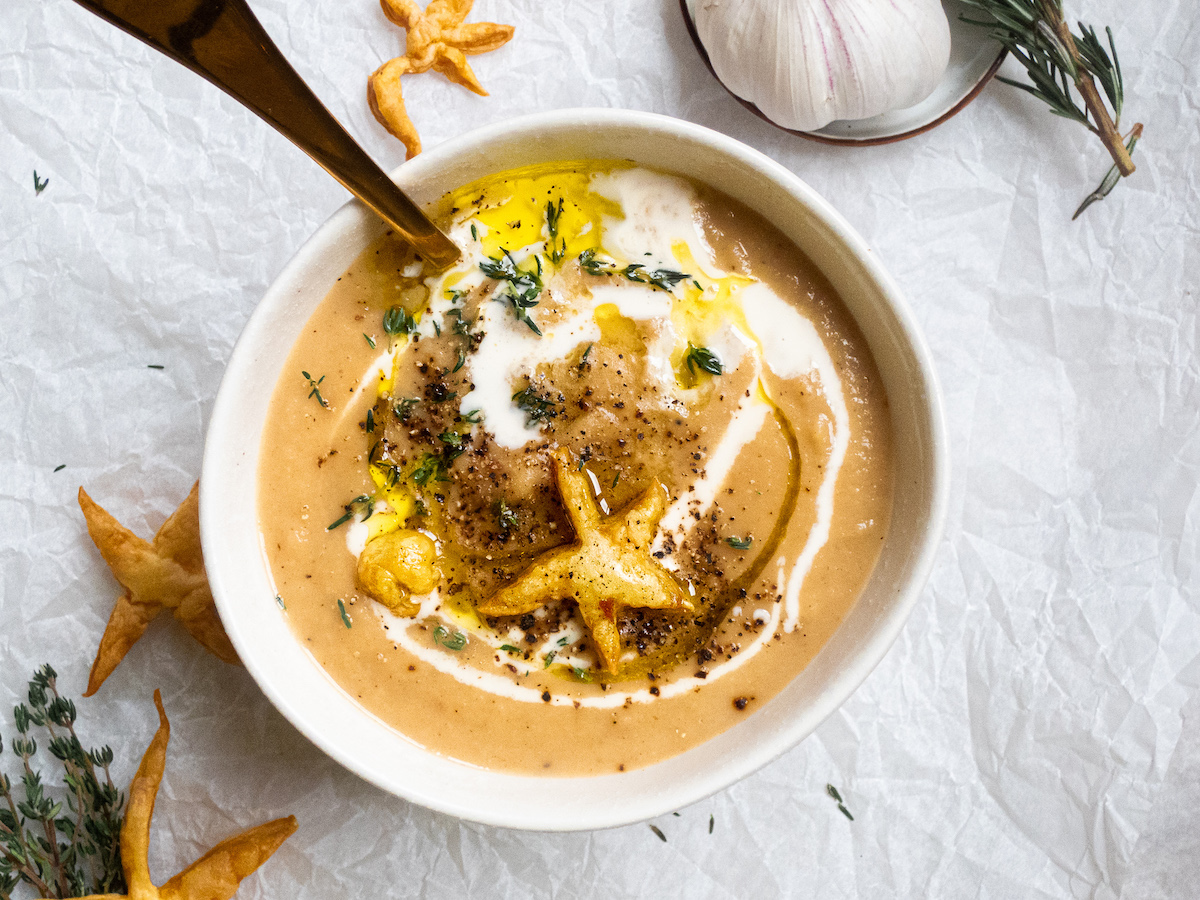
(536, 407)
(450, 640)
(738, 543)
(702, 358)
(315, 388)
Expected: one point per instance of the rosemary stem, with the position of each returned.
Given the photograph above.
(1105, 126)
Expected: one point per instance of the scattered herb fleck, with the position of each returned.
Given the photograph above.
(474, 232)
(370, 340)
(398, 320)
(658, 832)
(155, 366)
(711, 822)
(506, 516)
(450, 640)
(702, 358)
(738, 543)
(342, 610)
(39, 185)
(509, 648)
(581, 674)
(550, 658)
(359, 506)
(522, 289)
(473, 417)
(60, 467)
(536, 407)
(663, 279)
(370, 421)
(553, 213)
(837, 797)
(315, 388)
(431, 468)
(403, 407)
(279, 602)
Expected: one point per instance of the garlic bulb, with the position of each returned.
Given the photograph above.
(804, 63)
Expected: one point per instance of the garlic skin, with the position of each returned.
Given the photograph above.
(805, 63)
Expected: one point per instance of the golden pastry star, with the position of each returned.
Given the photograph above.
(166, 573)
(214, 876)
(607, 568)
(436, 39)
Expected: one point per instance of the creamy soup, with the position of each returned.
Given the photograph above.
(589, 497)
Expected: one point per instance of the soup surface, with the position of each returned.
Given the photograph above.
(591, 496)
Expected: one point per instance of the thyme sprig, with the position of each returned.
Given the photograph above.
(663, 279)
(522, 289)
(60, 848)
(1065, 69)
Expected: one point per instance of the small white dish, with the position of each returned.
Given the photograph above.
(334, 721)
(974, 59)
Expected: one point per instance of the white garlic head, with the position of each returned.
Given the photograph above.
(805, 63)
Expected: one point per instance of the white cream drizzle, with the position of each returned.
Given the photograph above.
(660, 212)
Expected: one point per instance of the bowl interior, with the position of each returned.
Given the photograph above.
(327, 715)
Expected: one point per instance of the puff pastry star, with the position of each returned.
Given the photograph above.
(438, 39)
(214, 876)
(607, 568)
(165, 573)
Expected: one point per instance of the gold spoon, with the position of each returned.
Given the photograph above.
(222, 41)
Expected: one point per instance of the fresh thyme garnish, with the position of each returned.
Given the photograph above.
(315, 386)
(833, 792)
(658, 831)
(359, 506)
(450, 640)
(474, 232)
(39, 185)
(581, 674)
(462, 359)
(522, 289)
(550, 658)
(403, 407)
(663, 279)
(370, 424)
(509, 648)
(431, 468)
(1062, 65)
(345, 615)
(398, 320)
(454, 294)
(279, 602)
(155, 366)
(553, 214)
(60, 467)
(536, 407)
(738, 543)
(473, 417)
(506, 516)
(711, 822)
(370, 340)
(59, 851)
(702, 358)
(454, 446)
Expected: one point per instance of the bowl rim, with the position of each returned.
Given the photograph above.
(223, 449)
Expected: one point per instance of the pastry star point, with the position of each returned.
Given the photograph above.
(606, 568)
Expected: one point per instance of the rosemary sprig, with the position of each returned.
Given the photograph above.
(59, 850)
(1064, 69)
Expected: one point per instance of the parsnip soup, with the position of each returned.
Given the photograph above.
(592, 495)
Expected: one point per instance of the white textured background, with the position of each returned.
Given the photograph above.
(1036, 730)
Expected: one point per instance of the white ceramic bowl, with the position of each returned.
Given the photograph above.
(329, 717)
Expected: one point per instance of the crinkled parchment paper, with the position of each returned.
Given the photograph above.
(1036, 730)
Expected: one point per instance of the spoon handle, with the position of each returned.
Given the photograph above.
(222, 41)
